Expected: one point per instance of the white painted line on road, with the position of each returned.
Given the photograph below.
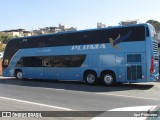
(53, 89)
(127, 96)
(34, 103)
(6, 77)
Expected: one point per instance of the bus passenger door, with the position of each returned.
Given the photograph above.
(49, 69)
(32, 67)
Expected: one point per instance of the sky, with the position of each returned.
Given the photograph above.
(82, 14)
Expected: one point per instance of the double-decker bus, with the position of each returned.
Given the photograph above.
(111, 55)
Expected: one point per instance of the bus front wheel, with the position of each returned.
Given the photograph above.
(90, 78)
(19, 75)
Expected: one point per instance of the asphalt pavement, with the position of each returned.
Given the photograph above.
(38, 95)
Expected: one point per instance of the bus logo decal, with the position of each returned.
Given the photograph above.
(119, 39)
(89, 47)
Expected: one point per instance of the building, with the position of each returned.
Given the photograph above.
(45, 30)
(129, 22)
(27, 33)
(16, 32)
(62, 27)
(101, 25)
(50, 30)
(11, 33)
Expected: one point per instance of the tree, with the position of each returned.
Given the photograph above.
(8, 37)
(155, 23)
(5, 38)
(2, 47)
(1, 39)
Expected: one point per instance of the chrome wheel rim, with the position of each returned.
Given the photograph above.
(90, 78)
(19, 75)
(108, 79)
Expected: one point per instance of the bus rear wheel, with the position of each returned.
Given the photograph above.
(108, 79)
(19, 75)
(90, 78)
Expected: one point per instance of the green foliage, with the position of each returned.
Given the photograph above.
(5, 38)
(1, 39)
(155, 23)
(2, 47)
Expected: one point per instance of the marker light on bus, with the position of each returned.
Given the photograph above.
(152, 65)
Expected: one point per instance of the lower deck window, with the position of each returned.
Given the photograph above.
(52, 61)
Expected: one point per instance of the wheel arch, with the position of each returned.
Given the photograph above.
(16, 70)
(87, 71)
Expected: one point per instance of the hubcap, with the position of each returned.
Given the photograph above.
(19, 75)
(90, 78)
(108, 79)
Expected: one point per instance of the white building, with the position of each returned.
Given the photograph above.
(129, 22)
(101, 25)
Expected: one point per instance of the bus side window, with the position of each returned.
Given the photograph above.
(68, 62)
(46, 62)
(20, 63)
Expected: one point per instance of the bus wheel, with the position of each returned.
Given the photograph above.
(108, 78)
(90, 78)
(19, 75)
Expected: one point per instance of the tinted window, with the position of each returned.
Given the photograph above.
(52, 61)
(29, 62)
(84, 37)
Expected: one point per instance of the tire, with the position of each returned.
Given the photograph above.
(90, 78)
(19, 75)
(108, 79)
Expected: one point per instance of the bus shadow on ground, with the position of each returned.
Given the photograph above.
(75, 85)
